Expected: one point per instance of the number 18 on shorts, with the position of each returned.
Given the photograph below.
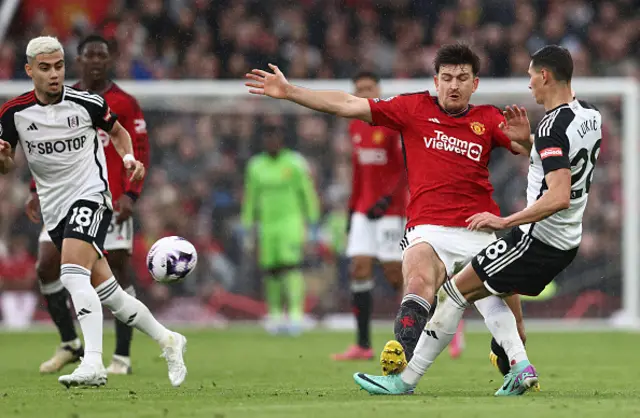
(87, 221)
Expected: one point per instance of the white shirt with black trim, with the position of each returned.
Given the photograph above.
(61, 145)
(568, 136)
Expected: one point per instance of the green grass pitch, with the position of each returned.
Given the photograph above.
(245, 373)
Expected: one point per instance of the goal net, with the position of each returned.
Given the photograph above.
(203, 132)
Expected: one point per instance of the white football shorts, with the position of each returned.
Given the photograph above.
(454, 245)
(379, 238)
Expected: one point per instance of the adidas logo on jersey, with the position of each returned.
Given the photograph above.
(434, 120)
(78, 229)
(32, 127)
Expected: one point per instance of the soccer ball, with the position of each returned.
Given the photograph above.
(171, 259)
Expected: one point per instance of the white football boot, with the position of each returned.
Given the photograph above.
(120, 365)
(66, 353)
(85, 375)
(174, 348)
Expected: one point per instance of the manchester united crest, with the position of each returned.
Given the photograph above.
(378, 137)
(477, 128)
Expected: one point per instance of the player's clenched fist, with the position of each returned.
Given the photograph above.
(134, 168)
(268, 84)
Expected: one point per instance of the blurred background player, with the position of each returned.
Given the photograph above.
(447, 145)
(280, 199)
(94, 64)
(376, 214)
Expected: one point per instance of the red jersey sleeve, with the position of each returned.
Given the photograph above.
(32, 186)
(137, 128)
(393, 112)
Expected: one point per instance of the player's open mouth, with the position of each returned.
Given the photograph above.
(96, 71)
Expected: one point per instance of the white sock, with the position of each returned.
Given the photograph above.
(502, 324)
(77, 280)
(437, 334)
(131, 311)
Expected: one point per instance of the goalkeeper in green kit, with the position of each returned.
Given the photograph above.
(280, 198)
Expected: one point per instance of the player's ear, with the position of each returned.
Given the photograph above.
(28, 70)
(545, 75)
(476, 81)
(435, 80)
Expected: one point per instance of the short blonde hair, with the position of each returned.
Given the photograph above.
(43, 45)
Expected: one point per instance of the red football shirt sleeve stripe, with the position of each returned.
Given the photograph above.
(137, 128)
(32, 186)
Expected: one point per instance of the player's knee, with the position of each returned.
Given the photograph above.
(423, 270)
(361, 268)
(421, 284)
(393, 274)
(48, 267)
(81, 253)
(119, 263)
(47, 272)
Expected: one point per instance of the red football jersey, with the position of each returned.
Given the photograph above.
(447, 157)
(378, 168)
(131, 118)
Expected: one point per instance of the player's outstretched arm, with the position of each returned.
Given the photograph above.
(121, 140)
(7, 154)
(334, 102)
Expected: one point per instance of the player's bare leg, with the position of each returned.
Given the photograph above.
(465, 289)
(48, 271)
(120, 263)
(77, 260)
(134, 313)
(362, 284)
(423, 273)
(393, 273)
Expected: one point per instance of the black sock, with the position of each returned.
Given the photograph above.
(61, 314)
(410, 321)
(503, 360)
(124, 333)
(361, 302)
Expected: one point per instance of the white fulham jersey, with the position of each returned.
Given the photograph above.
(567, 137)
(62, 148)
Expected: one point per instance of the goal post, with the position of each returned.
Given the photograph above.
(620, 94)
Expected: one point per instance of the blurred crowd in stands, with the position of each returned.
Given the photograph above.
(194, 187)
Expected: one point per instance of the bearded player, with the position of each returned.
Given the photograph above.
(94, 59)
(543, 238)
(376, 215)
(447, 144)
